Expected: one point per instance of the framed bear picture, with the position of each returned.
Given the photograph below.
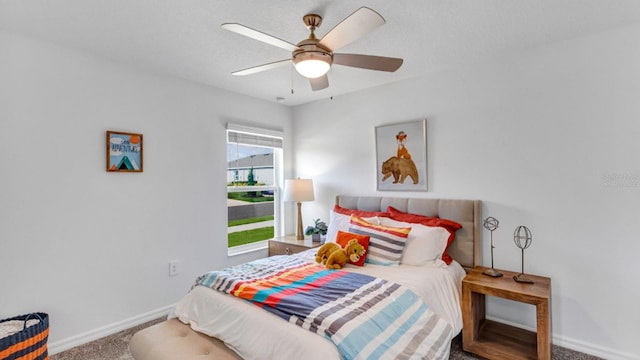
(401, 156)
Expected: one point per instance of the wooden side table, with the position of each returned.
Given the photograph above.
(288, 245)
(494, 340)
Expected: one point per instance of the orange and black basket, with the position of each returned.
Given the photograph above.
(30, 343)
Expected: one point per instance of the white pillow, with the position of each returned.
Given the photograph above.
(339, 221)
(425, 244)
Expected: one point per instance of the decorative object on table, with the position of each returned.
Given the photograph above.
(318, 229)
(124, 152)
(491, 224)
(401, 156)
(298, 190)
(522, 238)
(24, 337)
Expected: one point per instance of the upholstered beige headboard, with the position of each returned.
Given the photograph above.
(466, 248)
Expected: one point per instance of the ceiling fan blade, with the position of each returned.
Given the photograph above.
(259, 35)
(380, 63)
(263, 67)
(353, 27)
(319, 83)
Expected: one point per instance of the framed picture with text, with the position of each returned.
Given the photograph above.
(124, 152)
(401, 156)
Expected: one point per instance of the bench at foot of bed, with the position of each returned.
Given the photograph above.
(172, 340)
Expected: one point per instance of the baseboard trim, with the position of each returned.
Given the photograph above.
(595, 350)
(66, 344)
(577, 345)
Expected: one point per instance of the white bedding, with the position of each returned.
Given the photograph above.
(257, 334)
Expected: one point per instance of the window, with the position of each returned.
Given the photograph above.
(254, 172)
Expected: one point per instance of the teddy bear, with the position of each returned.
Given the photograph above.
(335, 257)
(325, 250)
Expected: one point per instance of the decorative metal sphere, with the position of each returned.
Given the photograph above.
(522, 237)
(491, 223)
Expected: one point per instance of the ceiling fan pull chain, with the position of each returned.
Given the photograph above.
(291, 80)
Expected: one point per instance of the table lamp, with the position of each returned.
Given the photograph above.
(298, 190)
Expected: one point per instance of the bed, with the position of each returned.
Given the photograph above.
(210, 324)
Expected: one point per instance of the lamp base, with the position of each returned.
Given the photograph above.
(299, 233)
(492, 272)
(522, 278)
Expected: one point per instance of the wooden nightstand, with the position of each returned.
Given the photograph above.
(494, 340)
(288, 245)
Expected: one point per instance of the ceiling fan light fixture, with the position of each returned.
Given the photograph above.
(312, 68)
(311, 64)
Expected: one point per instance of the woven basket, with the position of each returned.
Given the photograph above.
(28, 344)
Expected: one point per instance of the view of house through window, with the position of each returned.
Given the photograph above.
(253, 165)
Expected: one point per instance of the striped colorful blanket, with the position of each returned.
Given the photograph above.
(365, 317)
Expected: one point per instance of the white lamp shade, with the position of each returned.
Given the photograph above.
(298, 190)
(312, 68)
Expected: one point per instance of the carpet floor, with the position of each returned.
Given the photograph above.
(116, 347)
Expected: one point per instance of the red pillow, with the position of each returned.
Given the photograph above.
(343, 238)
(361, 213)
(449, 225)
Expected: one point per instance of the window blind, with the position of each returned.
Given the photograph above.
(252, 136)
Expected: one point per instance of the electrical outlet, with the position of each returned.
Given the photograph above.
(174, 267)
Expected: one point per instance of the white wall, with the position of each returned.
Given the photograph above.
(88, 247)
(536, 138)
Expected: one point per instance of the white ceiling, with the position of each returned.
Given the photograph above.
(183, 38)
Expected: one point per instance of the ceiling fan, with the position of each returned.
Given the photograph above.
(313, 57)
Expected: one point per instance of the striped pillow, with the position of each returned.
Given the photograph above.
(386, 243)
